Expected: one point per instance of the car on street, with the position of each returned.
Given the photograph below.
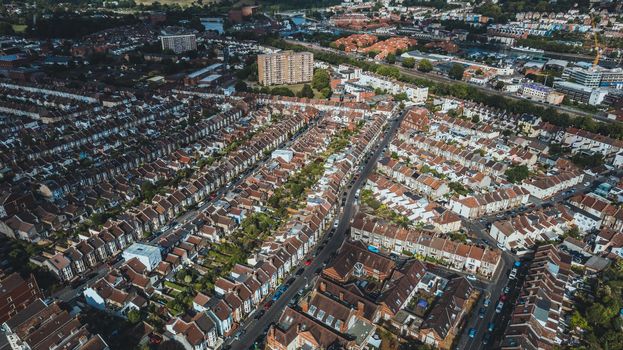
(487, 302)
(308, 262)
(300, 271)
(472, 333)
(259, 314)
(513, 274)
(507, 289)
(498, 309)
(490, 326)
(471, 277)
(501, 246)
(277, 295)
(481, 312)
(503, 297)
(290, 281)
(268, 305)
(487, 338)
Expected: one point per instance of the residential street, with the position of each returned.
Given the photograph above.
(255, 328)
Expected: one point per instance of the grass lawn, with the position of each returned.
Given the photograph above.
(19, 28)
(298, 87)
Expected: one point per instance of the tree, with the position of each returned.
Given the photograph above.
(321, 79)
(408, 62)
(134, 316)
(425, 66)
(241, 86)
(282, 91)
(456, 71)
(306, 91)
(588, 160)
(326, 92)
(6, 28)
(577, 321)
(391, 58)
(516, 174)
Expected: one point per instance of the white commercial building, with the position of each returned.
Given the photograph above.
(149, 255)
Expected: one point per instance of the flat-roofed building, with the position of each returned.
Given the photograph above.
(286, 67)
(179, 43)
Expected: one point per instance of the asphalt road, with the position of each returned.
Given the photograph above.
(443, 79)
(255, 328)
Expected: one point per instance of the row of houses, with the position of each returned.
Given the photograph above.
(502, 199)
(458, 256)
(524, 230)
(424, 184)
(537, 320)
(548, 185)
(417, 209)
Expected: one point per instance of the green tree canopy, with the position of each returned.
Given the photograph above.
(517, 173)
(456, 71)
(391, 58)
(408, 62)
(425, 66)
(306, 91)
(321, 79)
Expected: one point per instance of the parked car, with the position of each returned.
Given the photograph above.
(487, 302)
(487, 338)
(268, 305)
(308, 262)
(259, 314)
(498, 309)
(472, 332)
(471, 277)
(481, 312)
(490, 326)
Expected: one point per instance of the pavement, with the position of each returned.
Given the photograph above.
(256, 328)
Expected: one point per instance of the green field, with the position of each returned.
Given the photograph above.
(19, 28)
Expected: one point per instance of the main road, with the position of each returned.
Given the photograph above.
(414, 73)
(254, 328)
